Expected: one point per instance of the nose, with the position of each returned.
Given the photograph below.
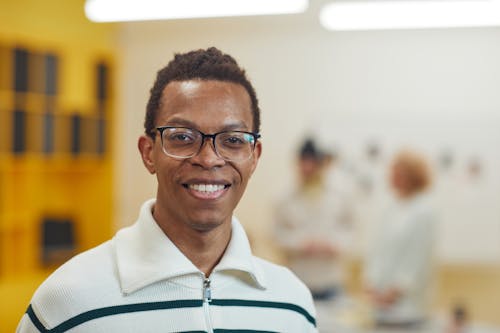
(207, 157)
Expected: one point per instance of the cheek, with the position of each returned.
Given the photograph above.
(167, 169)
(244, 172)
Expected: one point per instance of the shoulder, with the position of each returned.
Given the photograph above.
(76, 286)
(282, 283)
(82, 266)
(275, 272)
(291, 195)
(284, 290)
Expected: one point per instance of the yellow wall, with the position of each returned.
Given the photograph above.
(60, 26)
(475, 286)
(33, 185)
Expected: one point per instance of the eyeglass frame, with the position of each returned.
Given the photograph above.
(213, 136)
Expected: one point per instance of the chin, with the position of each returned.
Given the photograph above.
(207, 223)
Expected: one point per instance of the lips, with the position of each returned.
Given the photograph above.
(206, 190)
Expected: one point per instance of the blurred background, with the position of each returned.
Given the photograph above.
(72, 102)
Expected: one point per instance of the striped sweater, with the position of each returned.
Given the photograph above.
(139, 281)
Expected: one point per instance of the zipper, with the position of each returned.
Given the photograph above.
(207, 298)
(207, 293)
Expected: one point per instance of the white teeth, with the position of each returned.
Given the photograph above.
(206, 187)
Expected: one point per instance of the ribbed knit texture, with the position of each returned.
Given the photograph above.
(120, 287)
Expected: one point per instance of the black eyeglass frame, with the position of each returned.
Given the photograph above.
(213, 136)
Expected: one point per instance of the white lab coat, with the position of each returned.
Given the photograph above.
(402, 257)
(320, 214)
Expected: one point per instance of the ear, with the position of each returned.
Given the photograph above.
(146, 149)
(256, 155)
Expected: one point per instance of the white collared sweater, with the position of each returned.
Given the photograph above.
(139, 281)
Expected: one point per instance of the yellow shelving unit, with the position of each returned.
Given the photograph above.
(57, 71)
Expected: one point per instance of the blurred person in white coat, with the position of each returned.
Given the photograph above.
(399, 266)
(313, 225)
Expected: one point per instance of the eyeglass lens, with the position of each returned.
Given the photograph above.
(185, 142)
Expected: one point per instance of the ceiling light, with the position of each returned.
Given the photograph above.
(139, 10)
(364, 15)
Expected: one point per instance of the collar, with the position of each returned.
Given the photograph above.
(145, 255)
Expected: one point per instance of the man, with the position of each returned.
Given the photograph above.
(313, 228)
(313, 225)
(186, 264)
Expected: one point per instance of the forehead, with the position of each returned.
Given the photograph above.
(202, 98)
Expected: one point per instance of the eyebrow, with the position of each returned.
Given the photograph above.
(233, 126)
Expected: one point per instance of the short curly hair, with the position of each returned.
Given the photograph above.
(209, 64)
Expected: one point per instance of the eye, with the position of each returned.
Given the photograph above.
(236, 139)
(180, 137)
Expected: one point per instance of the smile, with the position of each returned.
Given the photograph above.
(209, 188)
(206, 191)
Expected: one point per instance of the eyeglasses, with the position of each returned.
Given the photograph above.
(183, 142)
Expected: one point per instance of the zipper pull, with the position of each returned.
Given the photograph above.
(207, 293)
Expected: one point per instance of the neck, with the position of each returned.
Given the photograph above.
(312, 182)
(204, 248)
(404, 194)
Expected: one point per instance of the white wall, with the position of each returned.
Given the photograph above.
(432, 89)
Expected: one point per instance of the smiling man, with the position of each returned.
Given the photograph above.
(186, 264)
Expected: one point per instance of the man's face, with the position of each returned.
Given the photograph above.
(310, 169)
(183, 197)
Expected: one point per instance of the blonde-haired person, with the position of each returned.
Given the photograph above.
(398, 271)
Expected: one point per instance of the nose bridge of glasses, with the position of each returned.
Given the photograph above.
(203, 142)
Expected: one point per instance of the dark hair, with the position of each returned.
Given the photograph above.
(310, 150)
(209, 64)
